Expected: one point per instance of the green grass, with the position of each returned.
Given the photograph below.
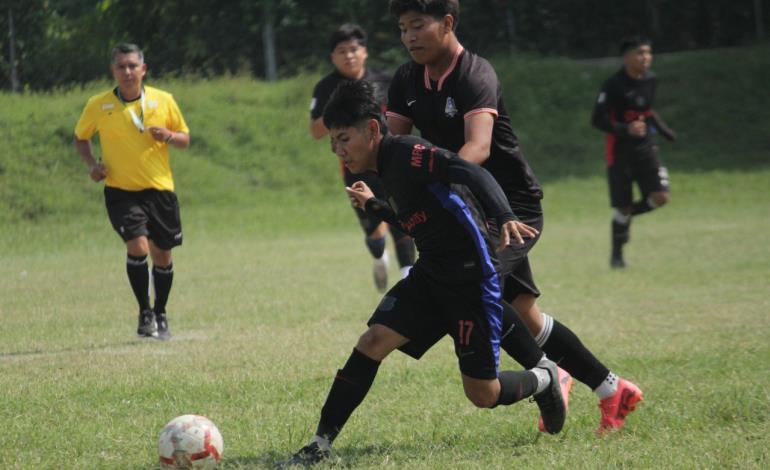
(261, 322)
(273, 287)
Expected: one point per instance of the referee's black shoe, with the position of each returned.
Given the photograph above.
(307, 456)
(550, 400)
(147, 327)
(616, 260)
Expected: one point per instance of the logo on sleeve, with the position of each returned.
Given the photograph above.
(312, 103)
(415, 219)
(450, 109)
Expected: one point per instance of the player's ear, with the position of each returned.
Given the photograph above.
(374, 128)
(449, 23)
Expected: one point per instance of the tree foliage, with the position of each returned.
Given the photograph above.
(65, 42)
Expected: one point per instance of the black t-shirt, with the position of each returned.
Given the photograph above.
(438, 110)
(622, 100)
(443, 202)
(325, 87)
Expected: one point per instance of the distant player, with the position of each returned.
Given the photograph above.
(455, 99)
(348, 54)
(441, 200)
(624, 111)
(136, 126)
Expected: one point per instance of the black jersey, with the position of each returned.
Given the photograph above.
(438, 110)
(325, 87)
(443, 202)
(622, 100)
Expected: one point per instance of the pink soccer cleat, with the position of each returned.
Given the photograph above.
(615, 408)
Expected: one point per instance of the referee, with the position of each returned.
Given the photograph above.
(136, 126)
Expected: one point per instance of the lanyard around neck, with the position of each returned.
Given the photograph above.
(138, 120)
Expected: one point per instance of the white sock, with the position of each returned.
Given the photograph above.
(323, 443)
(608, 387)
(384, 258)
(621, 218)
(543, 379)
(405, 271)
(545, 332)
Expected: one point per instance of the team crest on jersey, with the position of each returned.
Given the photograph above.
(108, 106)
(450, 109)
(387, 303)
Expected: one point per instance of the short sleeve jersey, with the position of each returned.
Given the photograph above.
(439, 110)
(325, 87)
(134, 160)
(622, 100)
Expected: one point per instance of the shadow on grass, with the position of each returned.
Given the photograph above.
(80, 349)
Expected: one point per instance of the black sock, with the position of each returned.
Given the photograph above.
(565, 348)
(515, 386)
(162, 279)
(350, 386)
(139, 278)
(641, 206)
(376, 246)
(517, 341)
(621, 233)
(405, 251)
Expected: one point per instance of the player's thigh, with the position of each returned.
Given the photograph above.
(473, 316)
(620, 184)
(651, 175)
(164, 221)
(379, 340)
(409, 310)
(127, 215)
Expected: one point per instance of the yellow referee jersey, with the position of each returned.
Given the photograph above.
(134, 160)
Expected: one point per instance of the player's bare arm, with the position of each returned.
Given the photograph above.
(399, 126)
(317, 128)
(478, 138)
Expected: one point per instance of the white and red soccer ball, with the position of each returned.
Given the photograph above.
(190, 441)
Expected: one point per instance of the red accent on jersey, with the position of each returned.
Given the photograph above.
(417, 155)
(633, 115)
(414, 220)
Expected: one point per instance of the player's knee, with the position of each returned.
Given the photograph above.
(373, 344)
(481, 398)
(660, 198)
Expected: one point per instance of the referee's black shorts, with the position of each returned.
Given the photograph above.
(424, 310)
(149, 212)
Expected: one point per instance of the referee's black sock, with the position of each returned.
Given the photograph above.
(643, 205)
(517, 341)
(139, 278)
(162, 279)
(515, 386)
(563, 347)
(376, 246)
(350, 386)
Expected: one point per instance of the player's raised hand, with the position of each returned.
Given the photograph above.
(515, 231)
(359, 193)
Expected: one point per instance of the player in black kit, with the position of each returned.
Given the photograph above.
(624, 111)
(348, 54)
(444, 202)
(455, 99)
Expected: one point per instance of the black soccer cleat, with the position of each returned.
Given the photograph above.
(616, 260)
(147, 327)
(550, 400)
(163, 332)
(307, 456)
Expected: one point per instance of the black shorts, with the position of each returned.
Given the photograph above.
(425, 310)
(149, 212)
(643, 168)
(514, 269)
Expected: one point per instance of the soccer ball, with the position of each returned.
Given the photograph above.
(190, 441)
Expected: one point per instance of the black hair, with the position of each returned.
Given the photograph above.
(435, 8)
(346, 32)
(632, 42)
(126, 48)
(352, 103)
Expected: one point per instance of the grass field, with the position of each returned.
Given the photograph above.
(262, 320)
(273, 287)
